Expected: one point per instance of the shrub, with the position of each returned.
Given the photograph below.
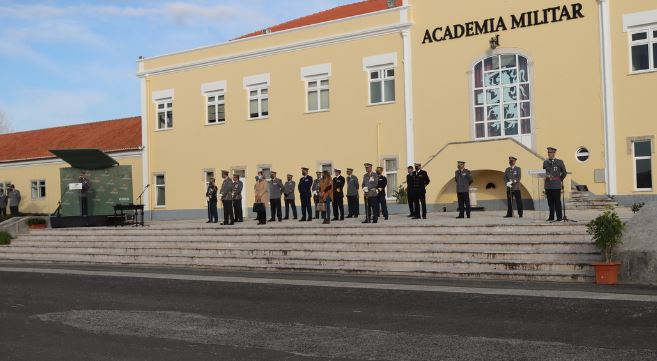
(35, 221)
(401, 195)
(5, 238)
(607, 231)
(637, 206)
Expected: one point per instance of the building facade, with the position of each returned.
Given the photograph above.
(26, 161)
(397, 82)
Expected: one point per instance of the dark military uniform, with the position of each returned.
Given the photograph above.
(211, 195)
(338, 198)
(290, 199)
(238, 186)
(555, 173)
(226, 193)
(315, 190)
(421, 181)
(381, 187)
(512, 176)
(410, 193)
(305, 192)
(463, 179)
(84, 196)
(352, 196)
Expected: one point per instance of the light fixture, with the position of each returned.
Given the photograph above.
(494, 42)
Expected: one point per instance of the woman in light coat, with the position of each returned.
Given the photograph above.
(325, 194)
(261, 196)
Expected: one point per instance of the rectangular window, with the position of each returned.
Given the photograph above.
(266, 171)
(258, 102)
(643, 164)
(164, 115)
(216, 108)
(326, 166)
(382, 85)
(207, 175)
(38, 189)
(390, 167)
(643, 49)
(318, 94)
(160, 191)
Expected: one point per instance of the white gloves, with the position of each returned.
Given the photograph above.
(365, 189)
(509, 184)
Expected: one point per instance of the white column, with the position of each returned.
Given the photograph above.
(608, 97)
(408, 97)
(145, 103)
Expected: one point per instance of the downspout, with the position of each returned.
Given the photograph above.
(408, 87)
(608, 97)
(145, 154)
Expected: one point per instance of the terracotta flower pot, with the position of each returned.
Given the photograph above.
(37, 226)
(606, 273)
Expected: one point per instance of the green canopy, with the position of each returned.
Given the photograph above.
(90, 159)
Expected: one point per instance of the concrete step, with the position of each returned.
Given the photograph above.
(344, 245)
(374, 255)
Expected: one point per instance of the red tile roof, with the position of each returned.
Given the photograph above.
(109, 136)
(340, 12)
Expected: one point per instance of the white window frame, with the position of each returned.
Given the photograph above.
(500, 86)
(650, 40)
(206, 178)
(167, 106)
(157, 189)
(318, 90)
(259, 97)
(635, 159)
(382, 72)
(328, 164)
(266, 171)
(390, 173)
(38, 185)
(215, 103)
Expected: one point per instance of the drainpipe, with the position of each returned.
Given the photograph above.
(145, 152)
(608, 97)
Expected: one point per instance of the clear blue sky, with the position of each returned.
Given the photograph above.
(66, 62)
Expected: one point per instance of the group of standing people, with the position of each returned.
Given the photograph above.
(230, 194)
(12, 199)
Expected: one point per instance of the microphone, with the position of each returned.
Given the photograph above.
(148, 185)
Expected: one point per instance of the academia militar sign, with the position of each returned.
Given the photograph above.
(493, 25)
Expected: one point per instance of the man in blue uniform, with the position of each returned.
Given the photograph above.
(555, 173)
(305, 192)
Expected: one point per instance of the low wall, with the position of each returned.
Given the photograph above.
(638, 254)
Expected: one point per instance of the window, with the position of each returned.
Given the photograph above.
(160, 191)
(382, 85)
(318, 94)
(643, 164)
(643, 49)
(502, 101)
(258, 103)
(207, 175)
(216, 108)
(390, 167)
(582, 154)
(326, 166)
(164, 115)
(266, 171)
(38, 189)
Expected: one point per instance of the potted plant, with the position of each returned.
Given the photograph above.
(606, 231)
(36, 223)
(5, 238)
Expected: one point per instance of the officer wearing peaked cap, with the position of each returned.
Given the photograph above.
(226, 193)
(369, 185)
(305, 193)
(555, 173)
(512, 177)
(352, 193)
(276, 189)
(338, 195)
(238, 186)
(421, 181)
(289, 198)
(463, 179)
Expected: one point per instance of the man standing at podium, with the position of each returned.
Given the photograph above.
(84, 210)
(555, 173)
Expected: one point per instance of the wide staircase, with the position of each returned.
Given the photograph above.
(543, 252)
(580, 200)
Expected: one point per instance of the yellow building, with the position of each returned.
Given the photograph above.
(397, 82)
(26, 161)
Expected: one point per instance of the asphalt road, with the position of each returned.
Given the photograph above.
(95, 317)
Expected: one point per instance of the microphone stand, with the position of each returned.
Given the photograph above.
(563, 197)
(140, 199)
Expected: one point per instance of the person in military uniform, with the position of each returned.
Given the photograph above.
(410, 191)
(555, 173)
(288, 192)
(463, 179)
(211, 196)
(3, 204)
(421, 181)
(338, 195)
(352, 194)
(512, 176)
(305, 193)
(238, 186)
(84, 193)
(369, 185)
(315, 190)
(276, 189)
(381, 188)
(226, 193)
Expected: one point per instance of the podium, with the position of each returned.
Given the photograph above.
(538, 183)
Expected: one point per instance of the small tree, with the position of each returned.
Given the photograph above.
(5, 125)
(401, 195)
(607, 231)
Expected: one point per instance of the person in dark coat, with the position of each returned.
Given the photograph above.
(381, 187)
(238, 186)
(410, 191)
(421, 181)
(305, 193)
(463, 179)
(512, 177)
(555, 173)
(353, 187)
(211, 196)
(338, 195)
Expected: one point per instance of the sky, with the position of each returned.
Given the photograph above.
(69, 62)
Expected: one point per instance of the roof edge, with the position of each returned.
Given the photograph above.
(74, 125)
